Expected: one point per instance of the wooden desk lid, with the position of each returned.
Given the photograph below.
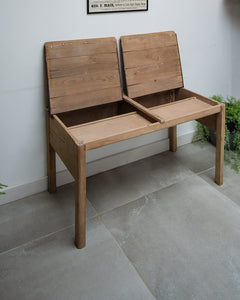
(151, 63)
(82, 73)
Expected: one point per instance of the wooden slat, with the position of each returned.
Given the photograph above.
(72, 85)
(70, 66)
(183, 108)
(159, 56)
(142, 73)
(109, 127)
(73, 48)
(154, 86)
(83, 100)
(184, 93)
(143, 109)
(151, 63)
(82, 73)
(151, 40)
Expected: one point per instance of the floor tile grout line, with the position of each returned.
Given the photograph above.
(220, 192)
(147, 194)
(206, 170)
(45, 236)
(121, 249)
(37, 239)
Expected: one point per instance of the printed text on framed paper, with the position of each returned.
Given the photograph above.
(103, 6)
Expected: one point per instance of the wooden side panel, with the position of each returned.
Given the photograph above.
(155, 99)
(209, 121)
(64, 145)
(184, 93)
(151, 63)
(82, 73)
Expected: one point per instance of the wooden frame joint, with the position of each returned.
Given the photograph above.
(143, 109)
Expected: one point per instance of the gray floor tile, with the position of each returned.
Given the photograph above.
(184, 240)
(52, 268)
(36, 216)
(196, 156)
(119, 186)
(231, 183)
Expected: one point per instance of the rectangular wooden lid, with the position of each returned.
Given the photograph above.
(151, 63)
(82, 73)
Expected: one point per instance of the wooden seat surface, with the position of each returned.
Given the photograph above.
(183, 109)
(110, 130)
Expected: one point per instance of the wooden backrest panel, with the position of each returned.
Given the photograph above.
(151, 63)
(82, 73)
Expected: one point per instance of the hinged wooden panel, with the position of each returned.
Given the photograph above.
(82, 73)
(151, 63)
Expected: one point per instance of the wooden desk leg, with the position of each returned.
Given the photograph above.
(80, 200)
(51, 156)
(172, 133)
(220, 131)
(51, 169)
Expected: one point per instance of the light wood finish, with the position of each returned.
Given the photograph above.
(114, 129)
(87, 109)
(151, 63)
(82, 73)
(172, 131)
(63, 143)
(220, 124)
(80, 199)
(110, 130)
(209, 121)
(184, 93)
(51, 157)
(183, 108)
(143, 109)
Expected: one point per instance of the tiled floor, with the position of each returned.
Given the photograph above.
(159, 228)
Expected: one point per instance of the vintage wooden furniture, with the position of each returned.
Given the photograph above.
(87, 109)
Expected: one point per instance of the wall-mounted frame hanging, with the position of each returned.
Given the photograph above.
(107, 6)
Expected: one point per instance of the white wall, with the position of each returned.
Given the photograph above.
(203, 29)
(235, 17)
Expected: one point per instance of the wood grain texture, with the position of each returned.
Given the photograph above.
(83, 100)
(80, 199)
(209, 121)
(70, 66)
(149, 40)
(84, 82)
(220, 132)
(143, 109)
(60, 49)
(151, 63)
(183, 93)
(65, 145)
(172, 131)
(82, 73)
(51, 166)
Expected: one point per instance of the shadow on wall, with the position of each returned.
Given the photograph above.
(233, 9)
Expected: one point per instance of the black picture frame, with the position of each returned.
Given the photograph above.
(105, 6)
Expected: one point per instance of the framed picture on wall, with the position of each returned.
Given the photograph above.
(109, 6)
